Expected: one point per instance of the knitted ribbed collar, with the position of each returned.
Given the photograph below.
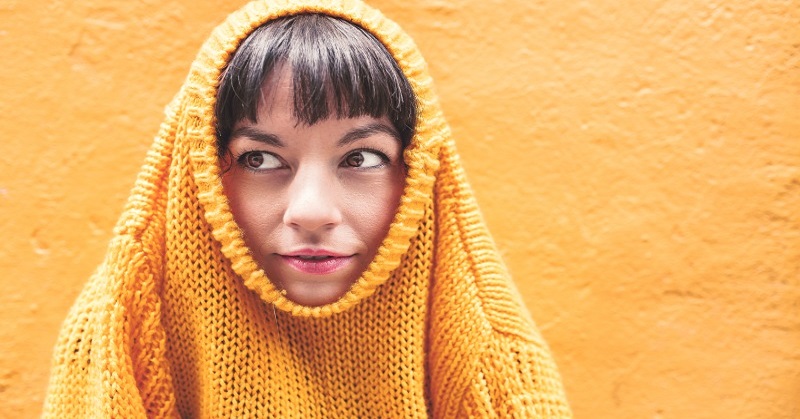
(196, 103)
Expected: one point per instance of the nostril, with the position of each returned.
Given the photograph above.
(312, 214)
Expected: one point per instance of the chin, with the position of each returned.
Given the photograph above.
(315, 294)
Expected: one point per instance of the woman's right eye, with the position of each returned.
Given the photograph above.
(259, 160)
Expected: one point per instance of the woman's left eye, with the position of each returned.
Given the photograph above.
(364, 159)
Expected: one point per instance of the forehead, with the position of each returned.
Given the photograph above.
(279, 98)
(277, 95)
(277, 112)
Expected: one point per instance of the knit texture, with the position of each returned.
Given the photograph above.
(179, 321)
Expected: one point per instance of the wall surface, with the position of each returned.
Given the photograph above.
(638, 163)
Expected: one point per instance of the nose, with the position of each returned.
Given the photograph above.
(312, 202)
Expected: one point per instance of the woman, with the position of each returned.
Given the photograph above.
(301, 242)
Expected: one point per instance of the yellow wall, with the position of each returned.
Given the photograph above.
(638, 163)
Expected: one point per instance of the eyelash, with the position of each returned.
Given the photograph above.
(383, 156)
(241, 157)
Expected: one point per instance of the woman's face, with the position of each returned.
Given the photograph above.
(315, 201)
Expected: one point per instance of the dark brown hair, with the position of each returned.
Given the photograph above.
(337, 68)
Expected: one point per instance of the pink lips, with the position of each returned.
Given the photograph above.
(316, 262)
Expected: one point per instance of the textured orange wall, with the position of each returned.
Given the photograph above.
(639, 165)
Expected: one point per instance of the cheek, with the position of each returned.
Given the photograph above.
(253, 207)
(373, 207)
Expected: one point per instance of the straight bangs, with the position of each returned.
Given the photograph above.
(338, 69)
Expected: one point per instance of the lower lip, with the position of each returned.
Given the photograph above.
(319, 266)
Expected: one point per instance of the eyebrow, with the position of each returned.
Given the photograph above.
(258, 135)
(367, 130)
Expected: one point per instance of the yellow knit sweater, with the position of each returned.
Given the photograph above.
(179, 321)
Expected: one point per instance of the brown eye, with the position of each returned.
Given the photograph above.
(355, 159)
(255, 160)
(259, 160)
(365, 159)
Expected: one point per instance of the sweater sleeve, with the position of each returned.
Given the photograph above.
(109, 359)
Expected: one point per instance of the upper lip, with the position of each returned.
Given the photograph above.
(314, 252)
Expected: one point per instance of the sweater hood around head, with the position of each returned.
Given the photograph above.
(189, 133)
